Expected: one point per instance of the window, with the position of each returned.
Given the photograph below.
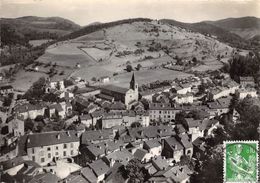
(64, 153)
(65, 146)
(48, 149)
(57, 147)
(71, 145)
(57, 153)
(33, 150)
(42, 160)
(49, 155)
(71, 152)
(160, 112)
(33, 158)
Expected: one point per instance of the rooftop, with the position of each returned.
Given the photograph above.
(51, 138)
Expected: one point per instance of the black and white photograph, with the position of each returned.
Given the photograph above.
(129, 91)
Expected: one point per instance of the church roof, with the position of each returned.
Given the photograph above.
(114, 88)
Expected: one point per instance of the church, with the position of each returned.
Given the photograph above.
(122, 94)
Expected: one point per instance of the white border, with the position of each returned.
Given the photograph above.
(242, 142)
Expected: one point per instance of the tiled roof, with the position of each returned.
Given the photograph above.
(114, 88)
(140, 154)
(89, 136)
(88, 174)
(174, 144)
(99, 167)
(51, 138)
(152, 143)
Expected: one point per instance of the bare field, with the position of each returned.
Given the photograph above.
(26, 79)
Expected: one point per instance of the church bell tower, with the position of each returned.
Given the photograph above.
(133, 83)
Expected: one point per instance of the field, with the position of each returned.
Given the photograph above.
(107, 52)
(39, 42)
(147, 76)
(25, 79)
(66, 54)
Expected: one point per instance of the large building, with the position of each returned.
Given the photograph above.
(44, 147)
(122, 94)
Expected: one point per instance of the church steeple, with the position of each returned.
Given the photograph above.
(133, 84)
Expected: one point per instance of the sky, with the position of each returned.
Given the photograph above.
(84, 12)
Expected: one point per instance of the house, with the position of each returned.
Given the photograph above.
(243, 93)
(193, 127)
(54, 83)
(89, 175)
(9, 151)
(86, 119)
(89, 137)
(27, 173)
(16, 126)
(172, 149)
(104, 79)
(101, 149)
(183, 98)
(31, 111)
(160, 163)
(44, 147)
(57, 110)
(186, 143)
(182, 88)
(180, 174)
(247, 81)
(122, 156)
(150, 132)
(122, 94)
(153, 146)
(143, 155)
(99, 168)
(112, 119)
(162, 112)
(6, 89)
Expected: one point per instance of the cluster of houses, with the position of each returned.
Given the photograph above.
(105, 127)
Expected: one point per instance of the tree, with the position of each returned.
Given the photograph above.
(134, 171)
(28, 125)
(138, 67)
(129, 68)
(67, 83)
(194, 60)
(135, 125)
(94, 79)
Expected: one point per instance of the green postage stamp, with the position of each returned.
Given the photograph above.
(241, 161)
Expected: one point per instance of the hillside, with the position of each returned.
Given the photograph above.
(32, 28)
(206, 28)
(106, 50)
(245, 27)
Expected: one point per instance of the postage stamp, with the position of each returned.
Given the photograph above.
(241, 161)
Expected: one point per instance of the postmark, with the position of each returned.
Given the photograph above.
(241, 161)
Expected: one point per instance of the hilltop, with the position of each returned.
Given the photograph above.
(245, 27)
(32, 27)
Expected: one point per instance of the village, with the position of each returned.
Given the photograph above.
(79, 132)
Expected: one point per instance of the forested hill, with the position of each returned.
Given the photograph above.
(210, 29)
(20, 30)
